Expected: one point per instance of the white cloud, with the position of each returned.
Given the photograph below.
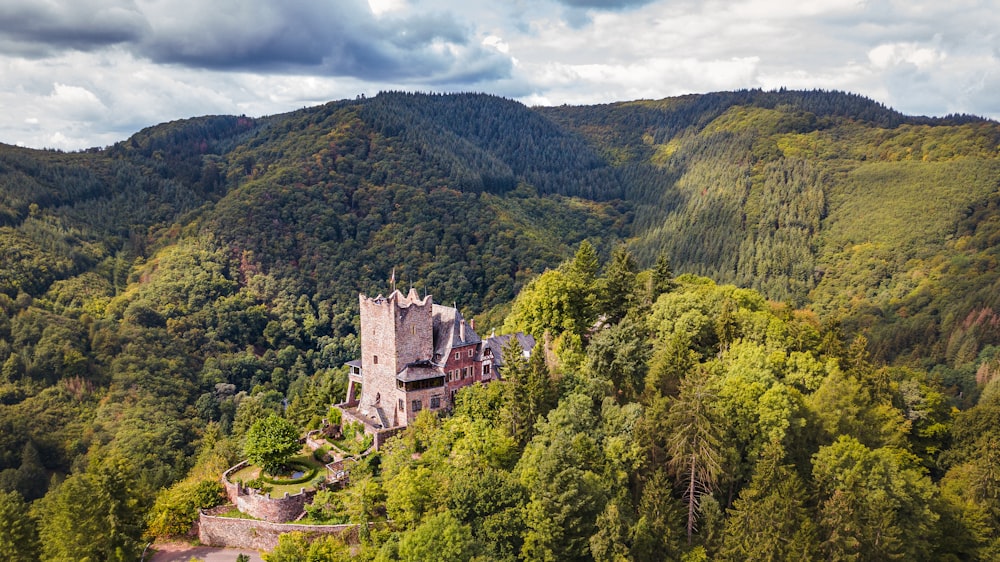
(497, 43)
(75, 102)
(893, 54)
(381, 7)
(88, 82)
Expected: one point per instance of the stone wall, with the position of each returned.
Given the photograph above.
(397, 330)
(263, 506)
(259, 535)
(380, 437)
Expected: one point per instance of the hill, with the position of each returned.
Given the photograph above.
(206, 271)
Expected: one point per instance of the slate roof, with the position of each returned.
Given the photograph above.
(497, 343)
(419, 370)
(450, 331)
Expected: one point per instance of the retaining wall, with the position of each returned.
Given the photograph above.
(259, 535)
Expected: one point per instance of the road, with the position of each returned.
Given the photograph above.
(179, 552)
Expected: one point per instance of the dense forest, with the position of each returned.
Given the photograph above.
(769, 325)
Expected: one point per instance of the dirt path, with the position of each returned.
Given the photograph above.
(182, 552)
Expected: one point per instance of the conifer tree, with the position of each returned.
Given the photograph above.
(693, 445)
(662, 279)
(617, 292)
(18, 531)
(770, 521)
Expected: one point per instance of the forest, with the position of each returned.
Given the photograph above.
(769, 325)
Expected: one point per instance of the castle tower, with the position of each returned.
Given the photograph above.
(396, 335)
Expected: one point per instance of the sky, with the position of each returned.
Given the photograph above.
(83, 73)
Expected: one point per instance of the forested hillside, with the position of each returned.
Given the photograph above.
(160, 295)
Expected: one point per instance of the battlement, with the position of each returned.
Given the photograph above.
(397, 299)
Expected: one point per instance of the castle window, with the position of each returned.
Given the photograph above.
(486, 369)
(465, 372)
(413, 330)
(458, 355)
(417, 405)
(375, 359)
(401, 403)
(471, 351)
(435, 402)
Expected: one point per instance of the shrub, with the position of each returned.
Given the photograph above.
(259, 484)
(322, 454)
(308, 473)
(176, 508)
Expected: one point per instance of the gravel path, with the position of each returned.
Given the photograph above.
(182, 552)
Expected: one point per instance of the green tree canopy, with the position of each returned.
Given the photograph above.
(18, 533)
(271, 442)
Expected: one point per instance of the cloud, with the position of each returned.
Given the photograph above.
(381, 40)
(91, 72)
(34, 28)
(343, 38)
(604, 4)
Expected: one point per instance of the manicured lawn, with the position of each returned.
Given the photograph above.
(305, 457)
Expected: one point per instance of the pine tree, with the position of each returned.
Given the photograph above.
(693, 445)
(662, 279)
(770, 521)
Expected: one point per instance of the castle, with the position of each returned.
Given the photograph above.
(416, 355)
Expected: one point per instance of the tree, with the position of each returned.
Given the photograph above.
(662, 278)
(529, 391)
(440, 537)
(621, 353)
(658, 533)
(18, 531)
(770, 521)
(876, 504)
(410, 494)
(270, 443)
(292, 547)
(585, 264)
(617, 287)
(176, 508)
(91, 516)
(611, 541)
(561, 469)
(693, 445)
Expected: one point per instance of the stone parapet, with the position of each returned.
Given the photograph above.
(262, 506)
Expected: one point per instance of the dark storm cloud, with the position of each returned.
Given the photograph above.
(329, 38)
(34, 28)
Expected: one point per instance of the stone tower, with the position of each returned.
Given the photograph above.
(396, 332)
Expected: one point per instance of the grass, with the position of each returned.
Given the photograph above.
(304, 457)
(236, 514)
